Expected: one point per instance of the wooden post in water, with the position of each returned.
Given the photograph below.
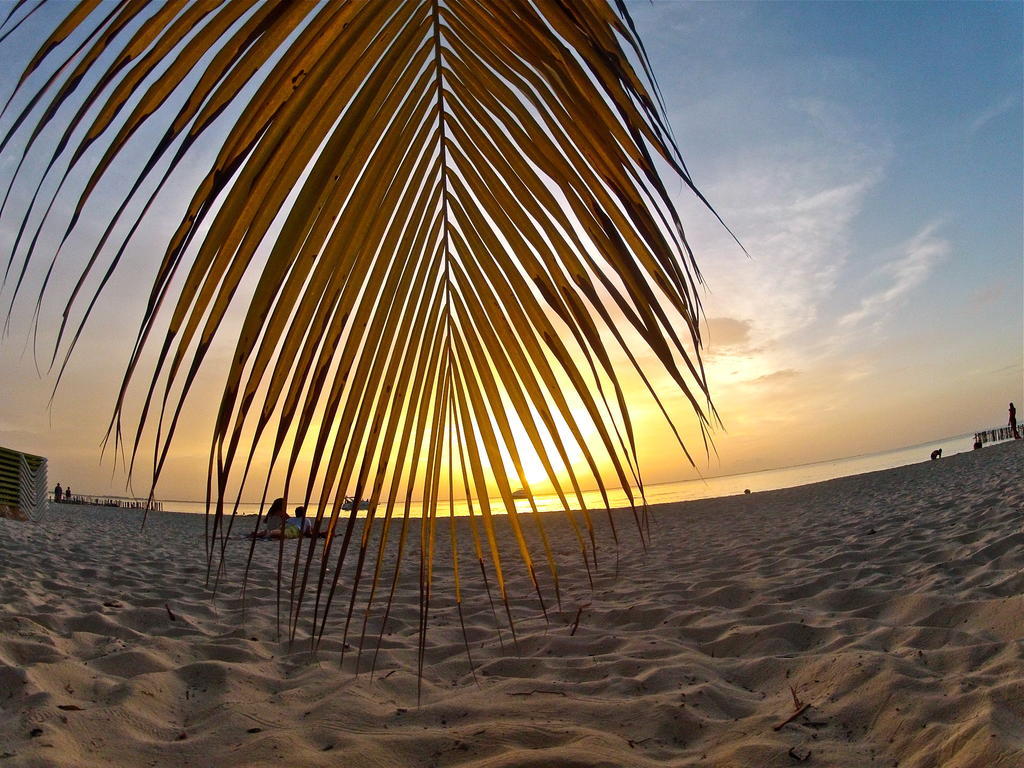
(993, 435)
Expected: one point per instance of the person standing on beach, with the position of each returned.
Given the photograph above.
(57, 493)
(1013, 422)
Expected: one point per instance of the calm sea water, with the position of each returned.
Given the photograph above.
(725, 485)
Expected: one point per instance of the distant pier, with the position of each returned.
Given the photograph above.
(121, 502)
(993, 435)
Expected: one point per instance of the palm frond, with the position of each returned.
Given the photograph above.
(453, 217)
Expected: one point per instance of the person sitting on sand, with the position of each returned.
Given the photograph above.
(279, 525)
(304, 524)
(312, 528)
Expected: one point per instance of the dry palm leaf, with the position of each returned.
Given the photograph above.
(446, 211)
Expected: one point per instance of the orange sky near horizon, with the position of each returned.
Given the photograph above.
(770, 418)
(881, 306)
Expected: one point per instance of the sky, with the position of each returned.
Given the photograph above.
(869, 158)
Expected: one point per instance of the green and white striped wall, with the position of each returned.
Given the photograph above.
(23, 484)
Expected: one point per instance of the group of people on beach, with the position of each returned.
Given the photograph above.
(280, 526)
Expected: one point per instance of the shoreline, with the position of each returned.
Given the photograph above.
(548, 500)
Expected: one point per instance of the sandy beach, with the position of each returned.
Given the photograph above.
(890, 604)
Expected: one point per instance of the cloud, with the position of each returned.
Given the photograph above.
(901, 275)
(1006, 368)
(725, 333)
(795, 216)
(776, 376)
(990, 114)
(794, 202)
(986, 294)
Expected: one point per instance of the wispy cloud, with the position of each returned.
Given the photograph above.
(726, 335)
(795, 216)
(995, 111)
(901, 275)
(775, 376)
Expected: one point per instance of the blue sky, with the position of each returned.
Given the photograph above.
(868, 155)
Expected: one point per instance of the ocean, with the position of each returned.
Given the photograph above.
(687, 490)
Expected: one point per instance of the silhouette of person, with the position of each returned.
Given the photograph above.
(304, 523)
(279, 525)
(67, 493)
(57, 492)
(1013, 422)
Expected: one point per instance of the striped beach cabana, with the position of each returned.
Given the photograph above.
(23, 484)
